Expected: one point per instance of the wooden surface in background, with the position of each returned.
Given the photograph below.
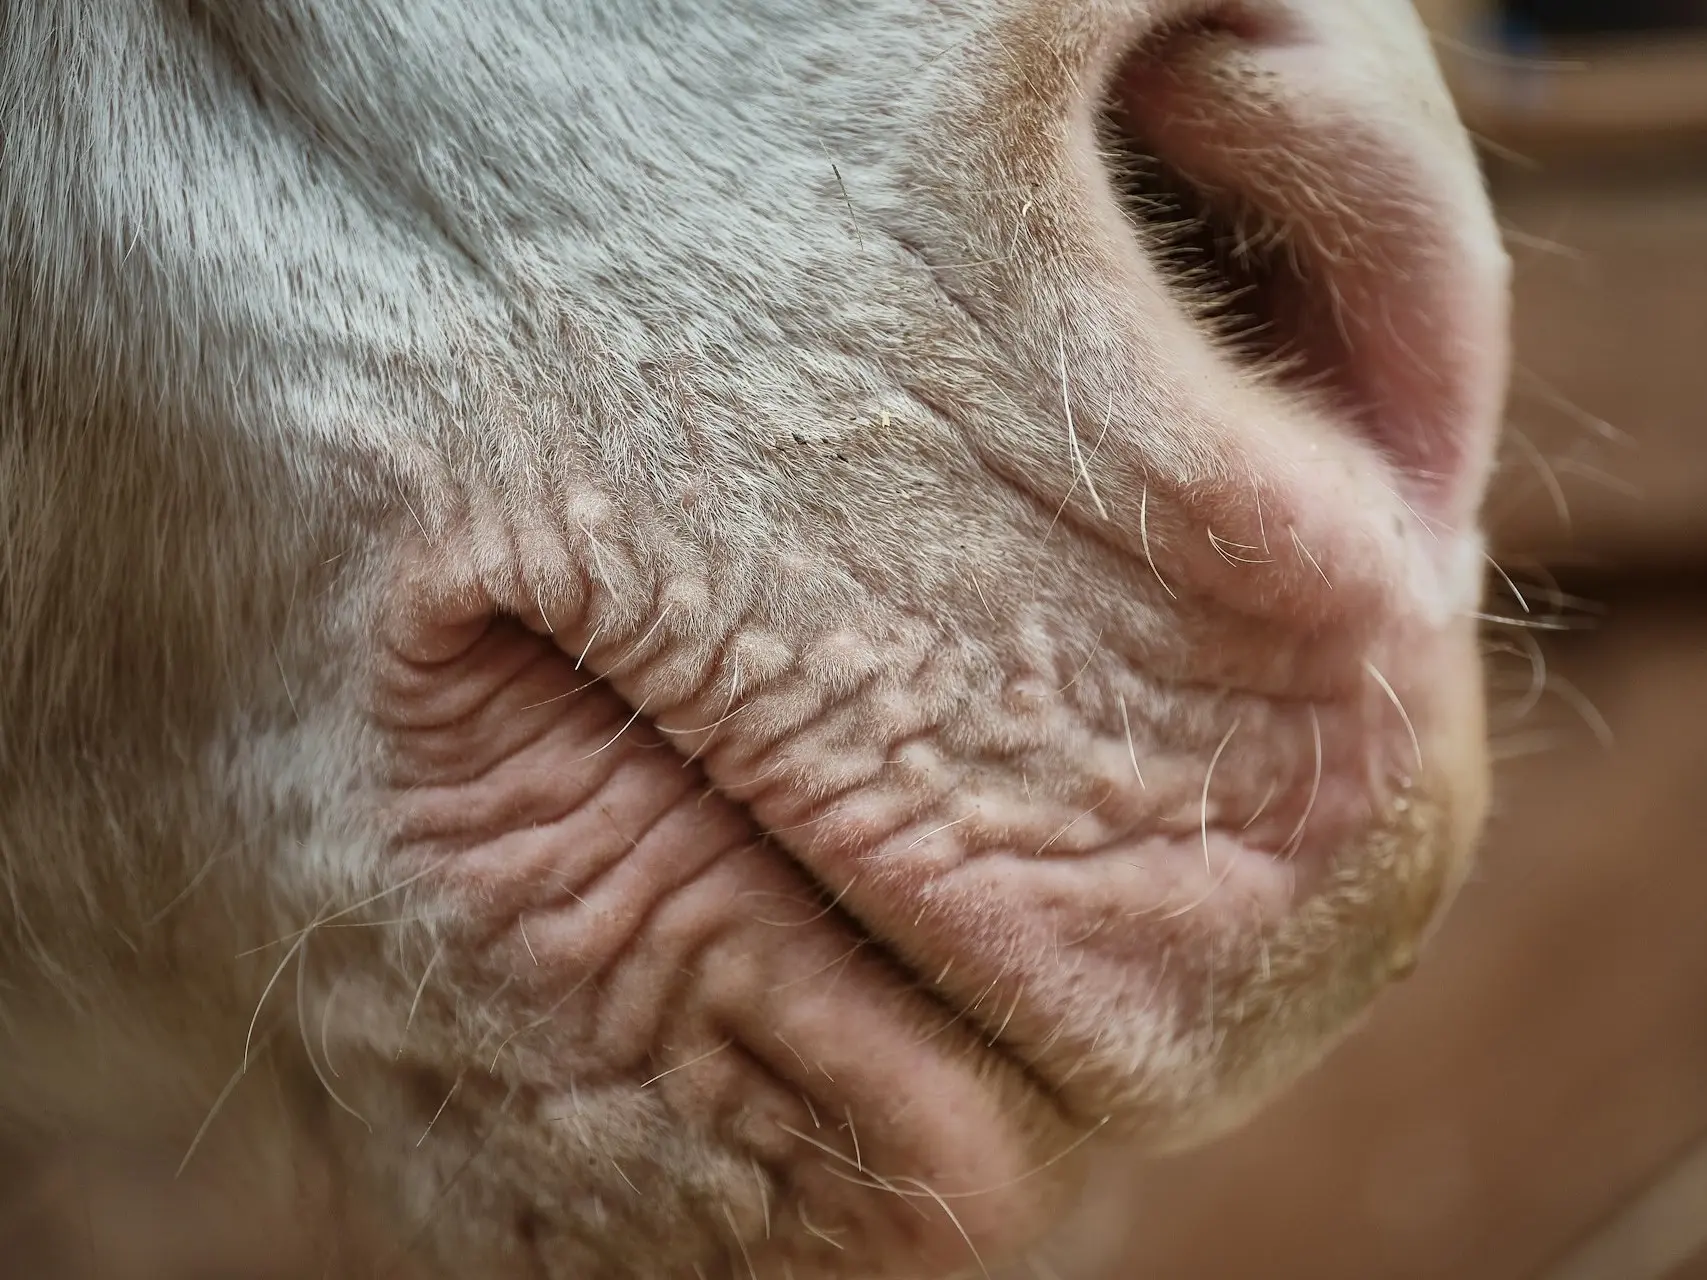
(1607, 457)
(1577, 96)
(1598, 156)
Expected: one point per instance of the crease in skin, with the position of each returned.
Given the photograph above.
(540, 948)
(1055, 835)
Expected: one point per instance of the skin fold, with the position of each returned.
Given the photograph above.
(675, 638)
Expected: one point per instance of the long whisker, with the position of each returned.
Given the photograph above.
(1295, 841)
(615, 738)
(1579, 702)
(1208, 775)
(1144, 537)
(1131, 748)
(1510, 585)
(420, 990)
(1305, 552)
(229, 1088)
(1073, 435)
(454, 1086)
(1393, 697)
(313, 1058)
(683, 1066)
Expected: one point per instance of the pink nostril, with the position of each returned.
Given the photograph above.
(1334, 236)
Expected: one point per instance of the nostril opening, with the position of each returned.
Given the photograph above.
(1319, 234)
(1242, 274)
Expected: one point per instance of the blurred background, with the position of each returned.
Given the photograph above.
(1533, 1103)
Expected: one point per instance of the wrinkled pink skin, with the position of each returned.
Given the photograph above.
(702, 660)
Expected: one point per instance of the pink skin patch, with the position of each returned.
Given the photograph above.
(905, 985)
(678, 952)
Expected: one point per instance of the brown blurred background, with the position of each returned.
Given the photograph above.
(1533, 1103)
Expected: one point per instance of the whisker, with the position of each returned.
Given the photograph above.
(325, 1025)
(1295, 841)
(1073, 435)
(937, 831)
(739, 1242)
(323, 921)
(1529, 649)
(522, 928)
(547, 1016)
(887, 1184)
(1521, 746)
(942, 1203)
(1208, 775)
(1305, 551)
(978, 586)
(819, 1067)
(627, 725)
(1221, 544)
(1565, 405)
(415, 1004)
(1083, 666)
(1144, 536)
(840, 960)
(1393, 697)
(1082, 469)
(454, 1086)
(1510, 585)
(853, 1136)
(1262, 806)
(1188, 908)
(229, 1088)
(683, 1066)
(1534, 624)
(308, 1051)
(266, 991)
(1578, 701)
(639, 644)
(404, 1247)
(624, 1176)
(1131, 748)
(1075, 822)
(1519, 239)
(1548, 476)
(813, 1229)
(592, 639)
(201, 874)
(764, 1192)
(564, 696)
(825, 910)
(1599, 475)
